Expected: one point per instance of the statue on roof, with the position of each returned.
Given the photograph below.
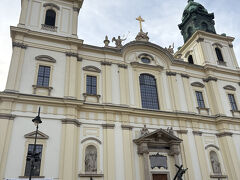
(118, 41)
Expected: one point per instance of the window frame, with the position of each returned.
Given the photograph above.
(219, 59)
(50, 9)
(157, 94)
(235, 102)
(199, 103)
(44, 76)
(47, 27)
(91, 86)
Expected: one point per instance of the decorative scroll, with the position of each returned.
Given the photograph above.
(158, 161)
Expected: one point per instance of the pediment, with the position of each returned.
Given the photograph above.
(40, 135)
(45, 58)
(197, 84)
(92, 69)
(159, 136)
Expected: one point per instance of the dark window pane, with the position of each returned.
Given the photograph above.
(91, 85)
(190, 59)
(50, 17)
(232, 102)
(43, 76)
(145, 60)
(148, 90)
(219, 54)
(200, 99)
(36, 160)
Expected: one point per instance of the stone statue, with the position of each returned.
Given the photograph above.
(91, 160)
(180, 172)
(118, 41)
(170, 49)
(106, 41)
(144, 130)
(170, 130)
(215, 163)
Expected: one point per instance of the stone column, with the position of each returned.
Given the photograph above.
(6, 124)
(229, 154)
(188, 93)
(201, 154)
(129, 168)
(109, 151)
(68, 168)
(15, 70)
(124, 86)
(23, 15)
(76, 10)
(143, 150)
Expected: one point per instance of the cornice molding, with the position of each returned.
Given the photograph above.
(91, 139)
(223, 134)
(123, 66)
(212, 145)
(108, 126)
(71, 121)
(197, 133)
(127, 127)
(210, 78)
(105, 63)
(185, 75)
(71, 54)
(7, 116)
(20, 45)
(146, 66)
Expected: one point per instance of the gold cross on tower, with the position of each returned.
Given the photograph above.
(140, 19)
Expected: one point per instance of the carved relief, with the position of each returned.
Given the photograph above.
(91, 159)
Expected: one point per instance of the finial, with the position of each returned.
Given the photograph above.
(106, 41)
(140, 19)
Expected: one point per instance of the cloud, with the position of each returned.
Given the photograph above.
(117, 17)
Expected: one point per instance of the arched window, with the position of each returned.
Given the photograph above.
(149, 93)
(50, 17)
(219, 54)
(216, 167)
(91, 159)
(190, 59)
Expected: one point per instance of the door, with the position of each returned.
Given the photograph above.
(160, 177)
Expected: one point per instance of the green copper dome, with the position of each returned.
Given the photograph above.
(196, 17)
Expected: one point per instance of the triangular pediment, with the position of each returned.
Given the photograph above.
(40, 135)
(159, 136)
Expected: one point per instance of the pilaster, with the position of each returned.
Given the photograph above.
(124, 85)
(68, 168)
(15, 70)
(108, 151)
(6, 124)
(76, 10)
(23, 15)
(188, 94)
(229, 153)
(107, 82)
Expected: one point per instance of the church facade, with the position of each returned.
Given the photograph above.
(128, 112)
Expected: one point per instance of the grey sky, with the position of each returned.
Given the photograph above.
(117, 17)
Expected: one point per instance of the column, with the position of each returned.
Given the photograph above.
(229, 154)
(161, 97)
(23, 15)
(76, 10)
(79, 78)
(107, 82)
(6, 124)
(71, 75)
(129, 168)
(201, 154)
(109, 151)
(186, 155)
(15, 70)
(172, 81)
(124, 84)
(188, 93)
(214, 96)
(68, 168)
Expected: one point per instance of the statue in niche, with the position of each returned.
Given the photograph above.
(144, 130)
(91, 159)
(215, 163)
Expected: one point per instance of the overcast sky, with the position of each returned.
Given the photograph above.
(117, 17)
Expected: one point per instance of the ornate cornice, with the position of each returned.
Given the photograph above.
(185, 76)
(77, 9)
(200, 39)
(169, 73)
(51, 5)
(210, 78)
(20, 45)
(197, 133)
(128, 127)
(71, 121)
(105, 63)
(108, 126)
(223, 134)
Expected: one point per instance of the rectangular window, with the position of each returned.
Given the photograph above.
(91, 85)
(200, 99)
(232, 102)
(35, 158)
(43, 76)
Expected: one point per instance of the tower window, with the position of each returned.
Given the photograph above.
(91, 85)
(50, 17)
(200, 99)
(37, 160)
(190, 59)
(43, 76)
(219, 55)
(148, 90)
(232, 102)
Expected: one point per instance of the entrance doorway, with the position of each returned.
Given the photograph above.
(160, 177)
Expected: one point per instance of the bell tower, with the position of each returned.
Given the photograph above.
(58, 17)
(196, 17)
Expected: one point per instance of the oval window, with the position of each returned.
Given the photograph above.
(145, 60)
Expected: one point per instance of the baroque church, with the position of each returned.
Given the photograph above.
(126, 112)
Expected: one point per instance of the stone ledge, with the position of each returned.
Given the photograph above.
(90, 175)
(127, 127)
(223, 134)
(219, 176)
(109, 126)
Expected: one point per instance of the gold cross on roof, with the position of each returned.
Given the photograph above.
(140, 19)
